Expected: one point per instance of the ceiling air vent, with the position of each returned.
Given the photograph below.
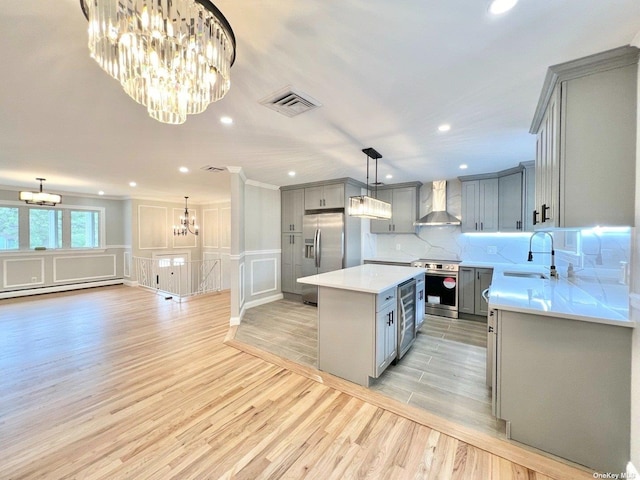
(209, 168)
(290, 102)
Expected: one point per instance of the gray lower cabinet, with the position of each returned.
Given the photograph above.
(292, 253)
(563, 387)
(386, 330)
(471, 283)
(356, 332)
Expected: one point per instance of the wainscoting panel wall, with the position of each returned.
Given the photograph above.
(210, 228)
(83, 268)
(264, 276)
(23, 272)
(152, 227)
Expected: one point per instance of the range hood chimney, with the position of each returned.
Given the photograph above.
(439, 214)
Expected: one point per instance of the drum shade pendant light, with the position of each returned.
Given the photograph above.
(366, 206)
(40, 198)
(172, 56)
(186, 223)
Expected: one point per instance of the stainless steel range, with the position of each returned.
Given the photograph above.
(441, 286)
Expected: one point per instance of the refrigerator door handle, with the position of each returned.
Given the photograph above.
(318, 248)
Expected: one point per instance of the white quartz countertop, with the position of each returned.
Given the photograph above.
(584, 299)
(390, 260)
(369, 278)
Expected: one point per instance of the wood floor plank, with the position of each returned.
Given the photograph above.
(118, 383)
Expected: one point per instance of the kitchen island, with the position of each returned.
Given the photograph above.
(562, 364)
(360, 320)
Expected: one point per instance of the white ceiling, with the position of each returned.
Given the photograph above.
(387, 74)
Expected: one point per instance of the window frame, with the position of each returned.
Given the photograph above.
(24, 239)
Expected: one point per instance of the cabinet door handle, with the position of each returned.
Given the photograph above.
(389, 227)
(535, 217)
(481, 225)
(544, 213)
(476, 225)
(394, 227)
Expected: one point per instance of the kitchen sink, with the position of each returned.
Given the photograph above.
(541, 276)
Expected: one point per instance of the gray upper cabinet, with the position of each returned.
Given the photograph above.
(586, 128)
(499, 201)
(404, 209)
(292, 210)
(510, 203)
(529, 194)
(324, 196)
(480, 205)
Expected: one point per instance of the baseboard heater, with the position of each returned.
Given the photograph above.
(59, 288)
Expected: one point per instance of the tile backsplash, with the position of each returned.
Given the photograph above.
(592, 248)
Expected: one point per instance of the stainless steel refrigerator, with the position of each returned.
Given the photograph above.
(323, 237)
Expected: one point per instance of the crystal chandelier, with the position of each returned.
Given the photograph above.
(40, 198)
(172, 56)
(370, 207)
(186, 223)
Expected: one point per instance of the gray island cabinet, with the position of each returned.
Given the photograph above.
(561, 366)
(358, 317)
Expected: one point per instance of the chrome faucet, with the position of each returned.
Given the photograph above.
(553, 272)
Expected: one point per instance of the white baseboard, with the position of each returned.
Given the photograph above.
(131, 283)
(235, 321)
(262, 301)
(59, 288)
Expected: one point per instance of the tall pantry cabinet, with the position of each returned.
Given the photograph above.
(585, 125)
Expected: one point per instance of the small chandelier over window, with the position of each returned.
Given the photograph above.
(40, 198)
(366, 206)
(172, 56)
(186, 223)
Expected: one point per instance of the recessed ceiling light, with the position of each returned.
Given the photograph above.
(226, 120)
(132, 184)
(184, 169)
(292, 173)
(445, 127)
(100, 192)
(389, 176)
(498, 7)
(464, 166)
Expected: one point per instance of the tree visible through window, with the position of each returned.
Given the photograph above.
(9, 239)
(45, 228)
(85, 231)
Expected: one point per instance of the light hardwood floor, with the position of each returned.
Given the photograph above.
(118, 383)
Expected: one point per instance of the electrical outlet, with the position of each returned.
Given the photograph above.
(492, 250)
(397, 246)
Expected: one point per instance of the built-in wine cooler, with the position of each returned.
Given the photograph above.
(406, 316)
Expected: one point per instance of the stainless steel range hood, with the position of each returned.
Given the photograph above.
(439, 214)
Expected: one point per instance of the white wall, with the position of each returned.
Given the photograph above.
(262, 243)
